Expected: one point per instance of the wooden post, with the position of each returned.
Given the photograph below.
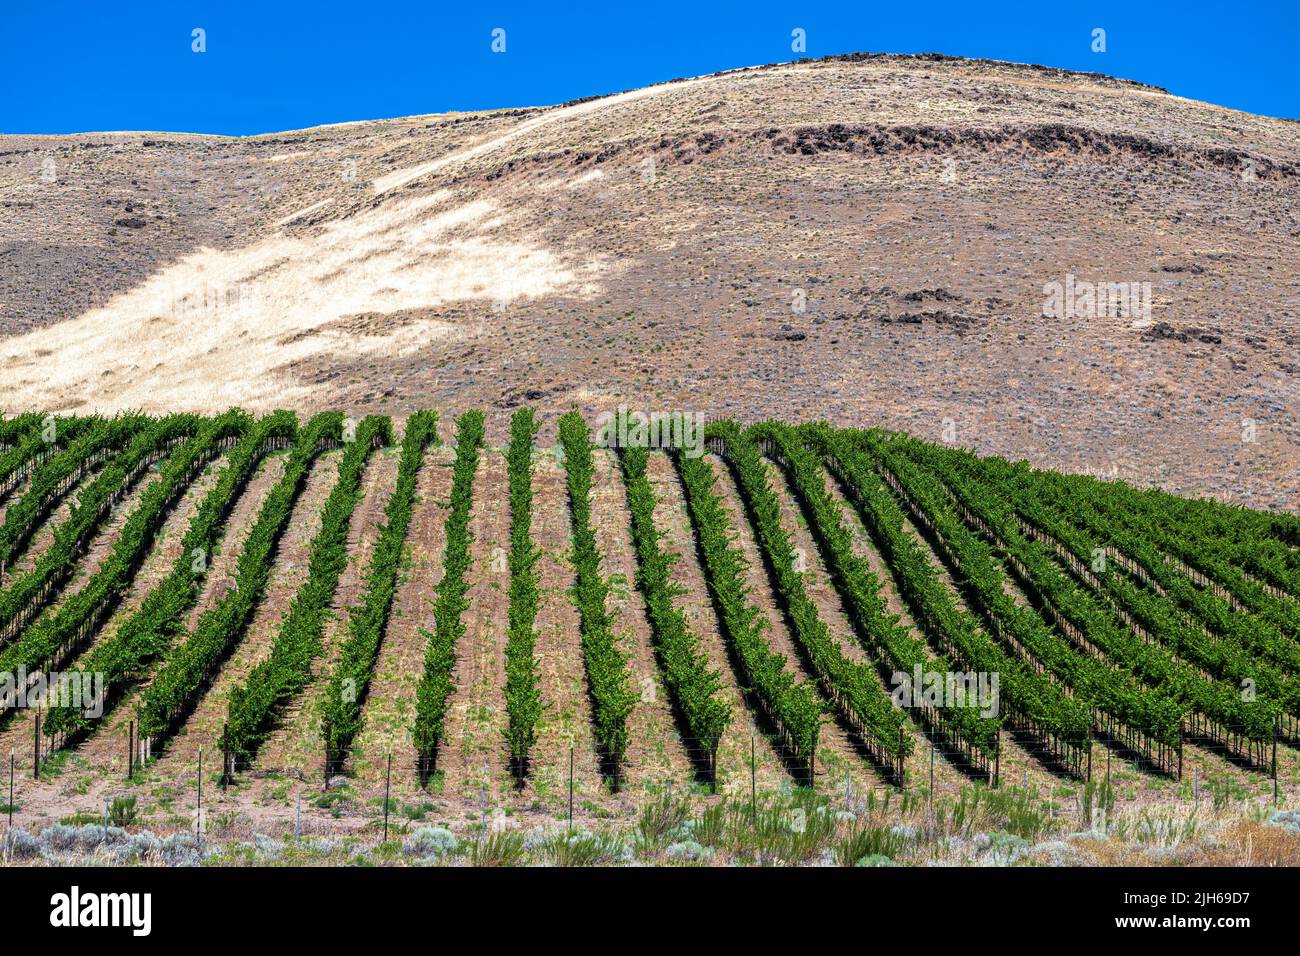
(388, 782)
(130, 750)
(902, 765)
(997, 759)
(570, 787)
(36, 747)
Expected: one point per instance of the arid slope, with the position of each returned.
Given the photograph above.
(863, 238)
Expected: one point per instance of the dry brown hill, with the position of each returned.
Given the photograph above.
(865, 238)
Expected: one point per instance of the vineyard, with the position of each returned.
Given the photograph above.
(400, 604)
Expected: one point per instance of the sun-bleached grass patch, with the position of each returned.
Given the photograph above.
(215, 327)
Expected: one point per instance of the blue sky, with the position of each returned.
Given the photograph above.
(101, 65)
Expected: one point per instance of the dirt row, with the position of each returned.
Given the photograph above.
(472, 754)
(389, 708)
(565, 727)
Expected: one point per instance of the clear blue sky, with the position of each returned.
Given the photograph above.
(118, 64)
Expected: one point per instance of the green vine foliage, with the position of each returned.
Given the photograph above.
(791, 705)
(433, 694)
(608, 680)
(43, 583)
(523, 695)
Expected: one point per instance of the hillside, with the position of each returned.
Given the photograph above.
(650, 247)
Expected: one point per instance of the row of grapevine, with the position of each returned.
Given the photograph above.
(1154, 611)
(790, 705)
(1151, 663)
(433, 695)
(1145, 717)
(17, 461)
(181, 681)
(853, 687)
(28, 595)
(1266, 561)
(13, 430)
(608, 679)
(254, 704)
(1249, 541)
(1035, 706)
(32, 442)
(696, 689)
(1092, 507)
(56, 638)
(1209, 561)
(1193, 602)
(523, 695)
(350, 679)
(125, 656)
(57, 475)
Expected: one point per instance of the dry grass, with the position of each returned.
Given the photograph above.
(216, 328)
